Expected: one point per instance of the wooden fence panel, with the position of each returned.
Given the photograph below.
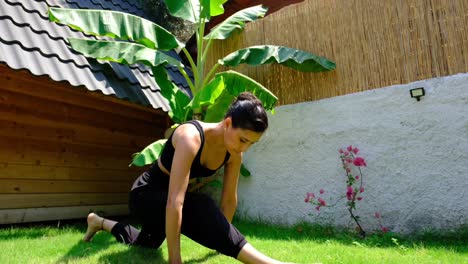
(65, 151)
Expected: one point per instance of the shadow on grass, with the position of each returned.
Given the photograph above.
(101, 242)
(130, 254)
(456, 241)
(134, 255)
(202, 259)
(81, 249)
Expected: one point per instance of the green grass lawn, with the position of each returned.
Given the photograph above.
(312, 244)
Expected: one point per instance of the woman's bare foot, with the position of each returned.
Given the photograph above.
(95, 223)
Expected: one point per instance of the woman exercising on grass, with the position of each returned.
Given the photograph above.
(159, 199)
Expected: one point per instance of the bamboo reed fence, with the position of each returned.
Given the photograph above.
(374, 44)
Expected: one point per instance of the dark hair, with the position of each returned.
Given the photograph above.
(247, 112)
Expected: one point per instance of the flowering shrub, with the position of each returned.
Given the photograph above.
(352, 165)
(379, 217)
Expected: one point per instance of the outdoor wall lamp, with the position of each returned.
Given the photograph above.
(417, 93)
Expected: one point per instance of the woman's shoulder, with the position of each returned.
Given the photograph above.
(186, 134)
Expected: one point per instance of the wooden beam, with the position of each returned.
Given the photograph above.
(24, 82)
(17, 104)
(43, 172)
(27, 151)
(10, 186)
(46, 200)
(14, 216)
(234, 6)
(77, 135)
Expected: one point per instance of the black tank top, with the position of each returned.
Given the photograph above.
(167, 156)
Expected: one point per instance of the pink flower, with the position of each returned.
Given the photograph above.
(384, 229)
(359, 198)
(377, 215)
(341, 151)
(322, 191)
(355, 150)
(346, 153)
(317, 208)
(357, 177)
(348, 160)
(348, 170)
(358, 161)
(361, 189)
(349, 193)
(322, 202)
(350, 148)
(309, 196)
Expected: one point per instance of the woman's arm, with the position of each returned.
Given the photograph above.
(186, 141)
(231, 178)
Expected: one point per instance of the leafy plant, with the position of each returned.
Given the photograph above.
(137, 40)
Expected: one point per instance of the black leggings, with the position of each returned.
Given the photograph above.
(202, 221)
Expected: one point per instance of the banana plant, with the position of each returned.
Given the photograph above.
(136, 40)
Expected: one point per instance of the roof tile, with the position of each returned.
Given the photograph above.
(29, 41)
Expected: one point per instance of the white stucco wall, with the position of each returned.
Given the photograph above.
(416, 152)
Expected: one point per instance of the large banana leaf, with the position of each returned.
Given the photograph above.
(185, 9)
(190, 9)
(149, 154)
(244, 171)
(211, 8)
(208, 95)
(116, 25)
(266, 54)
(236, 21)
(177, 99)
(121, 52)
(232, 84)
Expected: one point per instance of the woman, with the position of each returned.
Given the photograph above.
(159, 197)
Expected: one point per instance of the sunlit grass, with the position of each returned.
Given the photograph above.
(300, 244)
